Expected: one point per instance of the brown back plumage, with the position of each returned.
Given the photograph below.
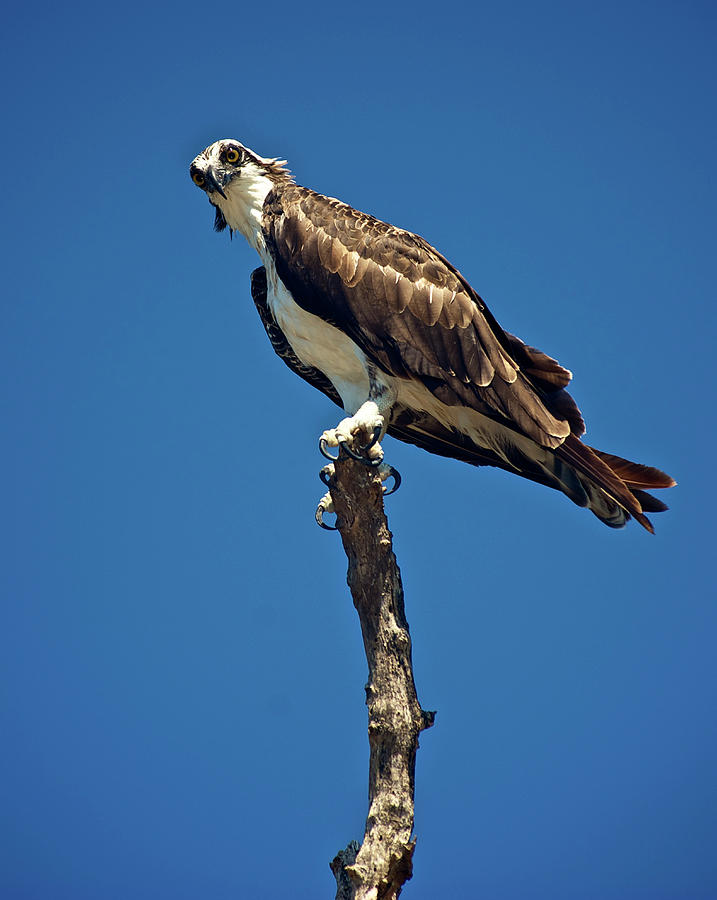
(415, 316)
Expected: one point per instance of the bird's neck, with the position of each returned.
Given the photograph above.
(244, 204)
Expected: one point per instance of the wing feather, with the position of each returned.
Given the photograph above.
(359, 270)
(412, 312)
(405, 288)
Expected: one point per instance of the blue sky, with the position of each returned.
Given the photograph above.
(182, 669)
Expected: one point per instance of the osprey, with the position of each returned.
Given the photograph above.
(382, 323)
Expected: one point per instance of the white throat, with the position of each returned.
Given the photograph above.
(244, 204)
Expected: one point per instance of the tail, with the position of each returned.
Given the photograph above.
(616, 487)
(612, 488)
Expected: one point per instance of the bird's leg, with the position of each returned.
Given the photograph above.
(326, 504)
(358, 435)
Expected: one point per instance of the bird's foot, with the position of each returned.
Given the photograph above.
(326, 504)
(358, 436)
(386, 472)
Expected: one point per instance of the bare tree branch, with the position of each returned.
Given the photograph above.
(379, 868)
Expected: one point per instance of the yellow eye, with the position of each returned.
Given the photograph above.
(198, 179)
(231, 155)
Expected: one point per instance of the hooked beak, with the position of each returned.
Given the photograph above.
(212, 184)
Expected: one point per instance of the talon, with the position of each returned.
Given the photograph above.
(372, 461)
(321, 523)
(323, 449)
(326, 473)
(374, 440)
(326, 504)
(349, 451)
(390, 472)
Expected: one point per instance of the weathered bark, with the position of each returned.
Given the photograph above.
(378, 869)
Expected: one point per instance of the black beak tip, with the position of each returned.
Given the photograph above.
(212, 184)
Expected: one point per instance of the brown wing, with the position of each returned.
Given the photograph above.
(412, 313)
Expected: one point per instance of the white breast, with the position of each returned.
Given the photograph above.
(319, 344)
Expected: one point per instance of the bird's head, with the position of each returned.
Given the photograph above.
(236, 180)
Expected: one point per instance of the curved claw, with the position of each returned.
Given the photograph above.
(323, 450)
(320, 521)
(373, 463)
(319, 516)
(392, 473)
(374, 440)
(325, 474)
